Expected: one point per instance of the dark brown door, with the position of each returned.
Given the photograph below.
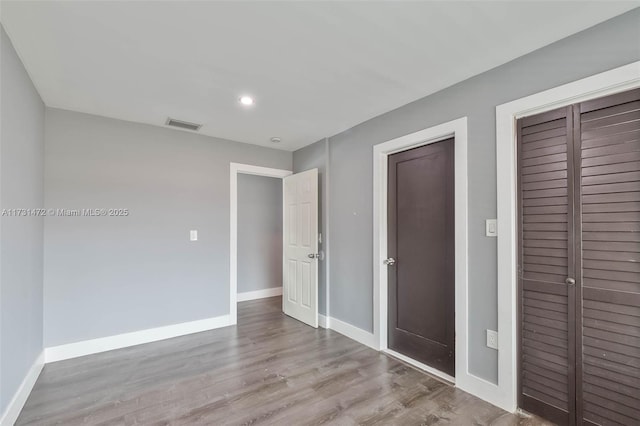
(579, 209)
(421, 240)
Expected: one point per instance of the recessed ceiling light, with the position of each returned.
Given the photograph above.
(246, 100)
(276, 140)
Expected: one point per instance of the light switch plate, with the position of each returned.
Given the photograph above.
(492, 339)
(193, 235)
(491, 227)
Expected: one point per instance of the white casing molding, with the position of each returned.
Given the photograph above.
(325, 204)
(260, 294)
(616, 80)
(103, 344)
(234, 170)
(11, 413)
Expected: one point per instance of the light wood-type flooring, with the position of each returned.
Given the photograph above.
(269, 369)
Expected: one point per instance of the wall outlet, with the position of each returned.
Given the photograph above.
(491, 227)
(193, 235)
(492, 339)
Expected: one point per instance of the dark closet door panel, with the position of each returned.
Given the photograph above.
(544, 263)
(610, 256)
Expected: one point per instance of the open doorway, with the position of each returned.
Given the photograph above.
(238, 206)
(298, 249)
(259, 237)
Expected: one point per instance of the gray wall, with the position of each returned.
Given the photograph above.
(21, 186)
(315, 157)
(111, 275)
(259, 232)
(606, 46)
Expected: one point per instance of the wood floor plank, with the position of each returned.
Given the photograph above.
(269, 369)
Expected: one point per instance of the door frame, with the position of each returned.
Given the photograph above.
(234, 170)
(458, 130)
(619, 79)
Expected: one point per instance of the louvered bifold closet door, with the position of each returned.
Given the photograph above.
(609, 370)
(545, 156)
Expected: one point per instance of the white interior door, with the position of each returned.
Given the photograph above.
(300, 245)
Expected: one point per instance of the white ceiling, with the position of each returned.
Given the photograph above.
(314, 68)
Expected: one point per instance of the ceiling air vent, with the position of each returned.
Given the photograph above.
(183, 124)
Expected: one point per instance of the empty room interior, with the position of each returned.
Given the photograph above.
(319, 212)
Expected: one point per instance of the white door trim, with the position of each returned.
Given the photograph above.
(234, 170)
(606, 83)
(458, 130)
(325, 204)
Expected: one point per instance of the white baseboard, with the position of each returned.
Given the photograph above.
(12, 411)
(324, 321)
(260, 294)
(353, 332)
(103, 344)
